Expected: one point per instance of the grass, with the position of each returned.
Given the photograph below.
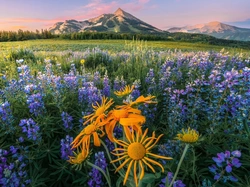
(81, 45)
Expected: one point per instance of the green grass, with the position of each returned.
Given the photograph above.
(115, 45)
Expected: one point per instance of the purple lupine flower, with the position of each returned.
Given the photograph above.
(225, 161)
(72, 69)
(89, 94)
(30, 88)
(21, 139)
(96, 175)
(236, 162)
(219, 159)
(136, 92)
(71, 81)
(12, 169)
(236, 153)
(6, 118)
(67, 120)
(213, 168)
(116, 84)
(66, 150)
(31, 129)
(150, 80)
(106, 86)
(170, 148)
(36, 104)
(97, 78)
(118, 133)
(177, 183)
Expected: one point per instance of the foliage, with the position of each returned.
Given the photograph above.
(44, 96)
(21, 35)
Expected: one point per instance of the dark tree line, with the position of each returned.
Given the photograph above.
(21, 35)
(166, 36)
(110, 36)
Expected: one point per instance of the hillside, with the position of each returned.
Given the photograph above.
(216, 29)
(119, 21)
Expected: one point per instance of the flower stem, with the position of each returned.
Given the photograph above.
(179, 164)
(110, 159)
(100, 169)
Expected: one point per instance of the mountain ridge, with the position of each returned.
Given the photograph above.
(216, 29)
(119, 21)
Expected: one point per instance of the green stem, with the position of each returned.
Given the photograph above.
(221, 175)
(100, 169)
(179, 164)
(110, 159)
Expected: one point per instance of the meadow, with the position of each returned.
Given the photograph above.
(124, 113)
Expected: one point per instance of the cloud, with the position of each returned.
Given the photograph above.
(16, 27)
(90, 10)
(27, 20)
(98, 7)
(143, 1)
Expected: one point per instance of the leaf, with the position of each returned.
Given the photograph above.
(149, 178)
(119, 181)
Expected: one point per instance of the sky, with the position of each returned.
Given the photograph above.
(163, 14)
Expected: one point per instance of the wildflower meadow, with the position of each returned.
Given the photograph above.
(135, 117)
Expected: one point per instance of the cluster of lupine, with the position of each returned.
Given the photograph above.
(67, 121)
(13, 167)
(106, 86)
(171, 148)
(150, 80)
(6, 118)
(177, 183)
(31, 129)
(119, 83)
(95, 175)
(213, 91)
(66, 150)
(224, 166)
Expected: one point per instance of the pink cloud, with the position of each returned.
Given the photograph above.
(98, 7)
(143, 1)
(93, 9)
(28, 20)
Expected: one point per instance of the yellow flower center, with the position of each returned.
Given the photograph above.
(188, 138)
(136, 151)
(120, 114)
(80, 157)
(100, 111)
(90, 129)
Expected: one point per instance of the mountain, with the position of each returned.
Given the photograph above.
(216, 29)
(119, 21)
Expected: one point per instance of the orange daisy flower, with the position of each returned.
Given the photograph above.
(136, 152)
(139, 101)
(128, 117)
(84, 137)
(124, 91)
(99, 110)
(79, 157)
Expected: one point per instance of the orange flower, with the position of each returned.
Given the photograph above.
(128, 117)
(124, 91)
(79, 157)
(138, 101)
(136, 152)
(84, 137)
(99, 110)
